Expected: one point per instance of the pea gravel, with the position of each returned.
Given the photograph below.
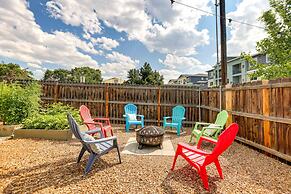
(41, 166)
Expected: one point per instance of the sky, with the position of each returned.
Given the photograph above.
(118, 35)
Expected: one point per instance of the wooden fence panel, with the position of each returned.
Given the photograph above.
(262, 110)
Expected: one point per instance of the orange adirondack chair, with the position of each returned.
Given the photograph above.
(93, 123)
(199, 159)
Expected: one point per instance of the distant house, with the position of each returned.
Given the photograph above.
(238, 70)
(114, 80)
(191, 79)
(172, 81)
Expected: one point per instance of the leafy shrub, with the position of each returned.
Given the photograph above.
(52, 117)
(18, 102)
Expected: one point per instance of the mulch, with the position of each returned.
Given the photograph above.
(42, 166)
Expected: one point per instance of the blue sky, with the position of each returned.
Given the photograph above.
(117, 35)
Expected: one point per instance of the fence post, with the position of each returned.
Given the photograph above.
(106, 101)
(266, 112)
(159, 106)
(199, 104)
(56, 92)
(228, 103)
(220, 97)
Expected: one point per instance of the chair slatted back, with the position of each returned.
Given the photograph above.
(130, 109)
(225, 139)
(178, 113)
(76, 131)
(221, 118)
(86, 116)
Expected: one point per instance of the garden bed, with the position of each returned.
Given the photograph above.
(42, 166)
(63, 135)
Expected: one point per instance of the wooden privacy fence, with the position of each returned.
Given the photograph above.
(262, 109)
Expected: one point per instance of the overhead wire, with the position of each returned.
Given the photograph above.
(216, 15)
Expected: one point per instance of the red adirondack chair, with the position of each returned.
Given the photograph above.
(93, 123)
(200, 159)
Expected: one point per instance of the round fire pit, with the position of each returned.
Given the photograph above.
(150, 135)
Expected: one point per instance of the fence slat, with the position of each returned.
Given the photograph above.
(263, 111)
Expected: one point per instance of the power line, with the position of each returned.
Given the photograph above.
(229, 19)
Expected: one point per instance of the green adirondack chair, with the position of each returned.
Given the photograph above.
(211, 130)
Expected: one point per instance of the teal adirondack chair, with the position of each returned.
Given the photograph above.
(211, 130)
(178, 114)
(131, 115)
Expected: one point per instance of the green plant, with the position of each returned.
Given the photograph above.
(277, 44)
(53, 116)
(18, 101)
(11, 72)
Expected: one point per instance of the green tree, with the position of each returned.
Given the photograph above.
(144, 76)
(61, 75)
(277, 45)
(91, 75)
(133, 77)
(10, 72)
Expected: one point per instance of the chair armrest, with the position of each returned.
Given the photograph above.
(212, 127)
(142, 116)
(101, 140)
(94, 123)
(101, 119)
(193, 149)
(165, 118)
(92, 131)
(183, 118)
(203, 138)
(202, 123)
(124, 116)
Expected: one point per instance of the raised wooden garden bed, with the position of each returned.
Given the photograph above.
(7, 130)
(62, 135)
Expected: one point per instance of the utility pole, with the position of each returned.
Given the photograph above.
(223, 43)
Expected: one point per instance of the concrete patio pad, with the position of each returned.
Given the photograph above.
(131, 147)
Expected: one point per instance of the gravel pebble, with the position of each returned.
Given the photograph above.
(42, 166)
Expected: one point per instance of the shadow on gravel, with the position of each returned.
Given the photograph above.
(189, 178)
(57, 174)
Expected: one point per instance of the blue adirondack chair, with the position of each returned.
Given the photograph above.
(131, 115)
(178, 114)
(96, 148)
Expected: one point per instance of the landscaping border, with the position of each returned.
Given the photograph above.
(7, 130)
(61, 135)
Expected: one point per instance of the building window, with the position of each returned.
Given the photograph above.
(236, 68)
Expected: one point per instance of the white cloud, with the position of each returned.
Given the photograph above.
(21, 38)
(156, 24)
(118, 66)
(176, 65)
(105, 43)
(33, 65)
(71, 12)
(243, 37)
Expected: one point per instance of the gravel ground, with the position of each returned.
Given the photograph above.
(40, 166)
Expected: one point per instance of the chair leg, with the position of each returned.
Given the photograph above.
(127, 125)
(178, 130)
(216, 162)
(175, 158)
(198, 137)
(191, 137)
(90, 163)
(204, 177)
(81, 154)
(118, 152)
